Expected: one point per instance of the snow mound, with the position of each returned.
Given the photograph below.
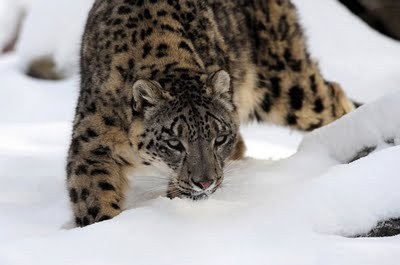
(370, 127)
(282, 212)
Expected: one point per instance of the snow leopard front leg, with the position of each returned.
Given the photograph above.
(96, 168)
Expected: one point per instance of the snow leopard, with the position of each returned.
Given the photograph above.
(167, 84)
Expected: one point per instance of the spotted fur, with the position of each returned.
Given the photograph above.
(168, 83)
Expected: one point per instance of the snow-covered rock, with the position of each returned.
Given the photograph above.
(370, 127)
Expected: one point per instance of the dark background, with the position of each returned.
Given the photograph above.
(382, 15)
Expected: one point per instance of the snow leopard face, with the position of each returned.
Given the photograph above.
(188, 135)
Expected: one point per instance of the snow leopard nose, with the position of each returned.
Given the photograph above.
(203, 184)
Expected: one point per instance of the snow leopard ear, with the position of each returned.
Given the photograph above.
(146, 93)
(220, 83)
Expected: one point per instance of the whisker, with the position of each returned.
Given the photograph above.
(153, 190)
(151, 178)
(150, 192)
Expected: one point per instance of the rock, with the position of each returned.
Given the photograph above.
(386, 228)
(44, 68)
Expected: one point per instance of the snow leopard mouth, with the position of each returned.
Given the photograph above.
(195, 196)
(192, 193)
(198, 196)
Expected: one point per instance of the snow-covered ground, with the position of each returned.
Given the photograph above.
(284, 207)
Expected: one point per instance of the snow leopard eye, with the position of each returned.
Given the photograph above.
(220, 140)
(175, 144)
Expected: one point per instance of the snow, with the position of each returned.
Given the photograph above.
(41, 35)
(296, 201)
(362, 128)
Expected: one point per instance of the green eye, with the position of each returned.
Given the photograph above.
(175, 144)
(220, 140)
